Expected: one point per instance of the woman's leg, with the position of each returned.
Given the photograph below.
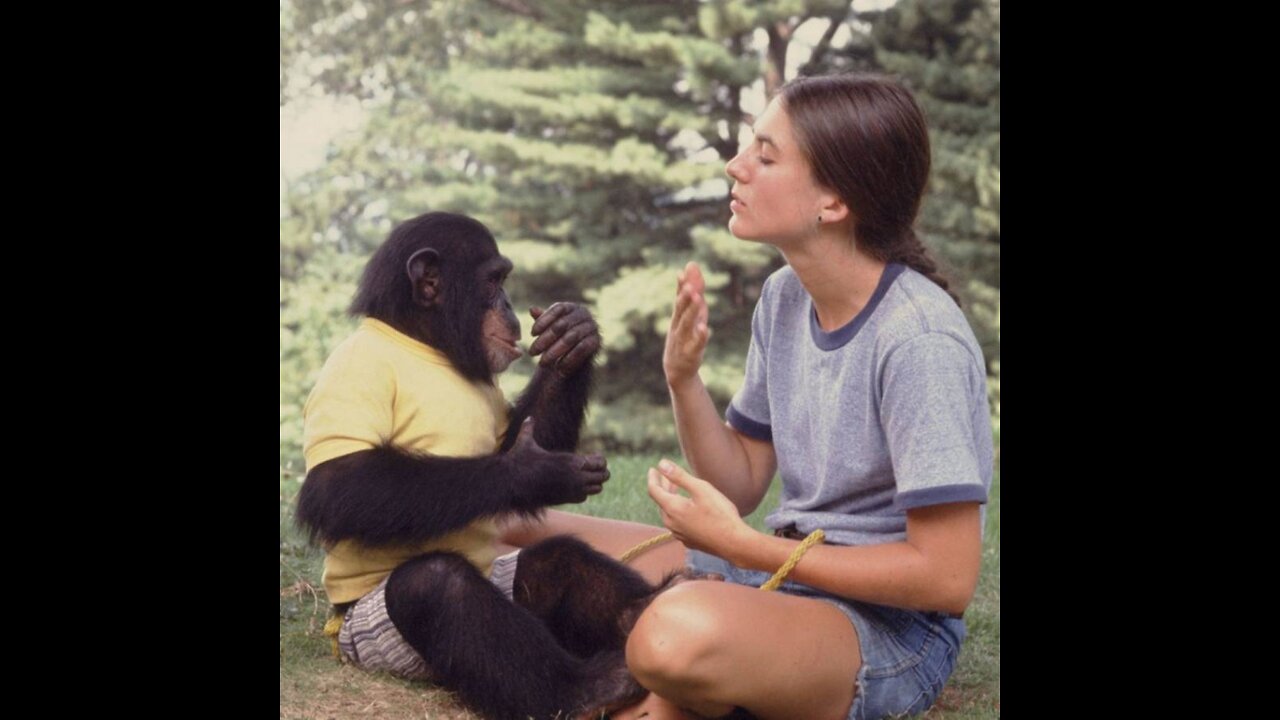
(710, 646)
(611, 537)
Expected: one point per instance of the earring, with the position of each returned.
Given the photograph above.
(819, 219)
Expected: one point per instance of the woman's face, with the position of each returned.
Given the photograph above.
(774, 195)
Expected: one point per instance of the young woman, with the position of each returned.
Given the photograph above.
(866, 387)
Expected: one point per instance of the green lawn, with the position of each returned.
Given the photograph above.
(314, 685)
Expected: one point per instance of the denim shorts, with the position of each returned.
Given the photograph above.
(907, 656)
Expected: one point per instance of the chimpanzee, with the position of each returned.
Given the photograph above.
(412, 455)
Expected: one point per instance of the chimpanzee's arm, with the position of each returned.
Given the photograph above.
(557, 403)
(385, 495)
(556, 397)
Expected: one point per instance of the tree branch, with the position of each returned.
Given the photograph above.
(776, 55)
(824, 44)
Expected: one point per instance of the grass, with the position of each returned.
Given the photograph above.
(314, 685)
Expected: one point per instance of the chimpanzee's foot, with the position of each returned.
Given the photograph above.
(610, 686)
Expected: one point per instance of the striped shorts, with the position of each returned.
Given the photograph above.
(370, 641)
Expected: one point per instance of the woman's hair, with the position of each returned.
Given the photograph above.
(865, 138)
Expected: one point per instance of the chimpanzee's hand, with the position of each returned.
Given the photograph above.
(553, 478)
(567, 337)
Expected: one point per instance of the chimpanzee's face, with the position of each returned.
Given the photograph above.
(500, 329)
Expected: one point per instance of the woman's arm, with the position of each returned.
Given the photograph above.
(935, 569)
(739, 466)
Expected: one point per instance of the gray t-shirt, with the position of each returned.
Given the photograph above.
(882, 415)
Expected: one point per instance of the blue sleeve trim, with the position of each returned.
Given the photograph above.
(747, 426)
(940, 495)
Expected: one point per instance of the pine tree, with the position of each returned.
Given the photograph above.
(948, 52)
(591, 138)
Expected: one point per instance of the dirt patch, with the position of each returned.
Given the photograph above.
(345, 692)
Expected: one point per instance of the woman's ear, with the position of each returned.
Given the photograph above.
(832, 210)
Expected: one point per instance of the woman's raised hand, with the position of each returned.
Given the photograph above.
(688, 334)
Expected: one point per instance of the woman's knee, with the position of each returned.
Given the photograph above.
(676, 635)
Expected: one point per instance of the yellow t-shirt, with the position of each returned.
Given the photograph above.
(381, 387)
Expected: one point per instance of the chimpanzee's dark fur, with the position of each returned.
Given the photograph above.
(499, 657)
(587, 609)
(557, 651)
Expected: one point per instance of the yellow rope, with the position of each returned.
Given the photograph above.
(814, 538)
(331, 629)
(657, 539)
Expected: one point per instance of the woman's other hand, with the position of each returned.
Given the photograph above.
(706, 520)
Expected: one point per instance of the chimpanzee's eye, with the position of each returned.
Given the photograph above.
(492, 286)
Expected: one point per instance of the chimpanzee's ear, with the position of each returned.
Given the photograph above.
(423, 268)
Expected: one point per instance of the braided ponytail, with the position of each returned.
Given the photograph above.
(911, 251)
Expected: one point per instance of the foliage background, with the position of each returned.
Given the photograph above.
(591, 138)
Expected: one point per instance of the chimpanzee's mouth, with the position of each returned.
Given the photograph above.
(508, 343)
